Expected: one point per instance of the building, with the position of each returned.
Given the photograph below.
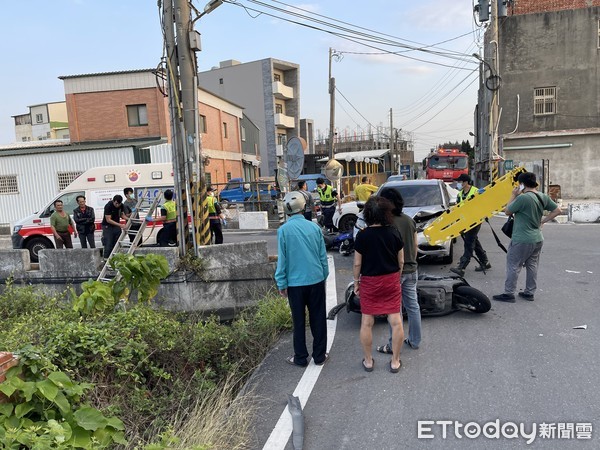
(269, 90)
(549, 98)
(42, 122)
(121, 118)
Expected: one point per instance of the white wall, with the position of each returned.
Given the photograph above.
(37, 176)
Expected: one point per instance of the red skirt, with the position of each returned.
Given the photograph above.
(380, 294)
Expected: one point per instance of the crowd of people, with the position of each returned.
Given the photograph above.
(385, 266)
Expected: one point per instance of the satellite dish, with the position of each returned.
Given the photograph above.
(334, 170)
(295, 157)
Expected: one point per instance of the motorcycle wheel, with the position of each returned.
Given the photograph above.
(469, 298)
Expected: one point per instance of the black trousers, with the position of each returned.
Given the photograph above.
(328, 212)
(215, 228)
(471, 243)
(168, 236)
(313, 298)
(84, 239)
(110, 236)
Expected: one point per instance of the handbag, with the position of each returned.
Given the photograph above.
(507, 228)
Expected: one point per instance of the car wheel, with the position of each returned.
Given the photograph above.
(36, 244)
(347, 222)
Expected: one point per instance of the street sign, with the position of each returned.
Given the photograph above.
(508, 165)
(405, 169)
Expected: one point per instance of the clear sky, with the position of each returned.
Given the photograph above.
(41, 40)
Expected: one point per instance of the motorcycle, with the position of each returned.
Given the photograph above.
(438, 295)
(343, 241)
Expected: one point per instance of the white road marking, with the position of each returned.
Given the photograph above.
(283, 429)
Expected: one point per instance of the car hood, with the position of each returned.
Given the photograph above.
(26, 220)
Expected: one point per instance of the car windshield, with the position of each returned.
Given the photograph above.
(418, 195)
(448, 162)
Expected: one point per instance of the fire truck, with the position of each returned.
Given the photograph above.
(446, 164)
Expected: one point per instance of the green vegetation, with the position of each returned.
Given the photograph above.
(171, 378)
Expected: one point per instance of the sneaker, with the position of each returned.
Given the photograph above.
(509, 298)
(526, 296)
(486, 266)
(458, 271)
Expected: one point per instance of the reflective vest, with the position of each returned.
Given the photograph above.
(326, 195)
(211, 205)
(171, 208)
(462, 196)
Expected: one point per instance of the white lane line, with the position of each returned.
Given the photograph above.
(283, 429)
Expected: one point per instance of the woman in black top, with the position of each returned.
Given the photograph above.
(378, 261)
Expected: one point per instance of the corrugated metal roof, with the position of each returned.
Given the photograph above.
(357, 155)
(62, 145)
(64, 77)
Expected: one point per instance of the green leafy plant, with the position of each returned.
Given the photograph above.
(45, 409)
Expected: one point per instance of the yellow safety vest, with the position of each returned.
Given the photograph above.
(211, 205)
(171, 208)
(462, 196)
(326, 195)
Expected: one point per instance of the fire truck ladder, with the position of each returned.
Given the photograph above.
(128, 247)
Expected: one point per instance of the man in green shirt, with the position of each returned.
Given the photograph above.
(59, 222)
(528, 206)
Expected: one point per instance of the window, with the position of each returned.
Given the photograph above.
(243, 133)
(278, 108)
(141, 155)
(137, 115)
(276, 77)
(207, 178)
(225, 130)
(281, 138)
(220, 80)
(66, 178)
(39, 118)
(8, 184)
(202, 124)
(69, 203)
(544, 101)
(228, 176)
(24, 139)
(48, 135)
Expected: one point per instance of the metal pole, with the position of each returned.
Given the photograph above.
(331, 107)
(494, 103)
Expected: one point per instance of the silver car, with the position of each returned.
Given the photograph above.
(424, 200)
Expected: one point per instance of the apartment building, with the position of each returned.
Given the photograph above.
(548, 56)
(42, 122)
(269, 90)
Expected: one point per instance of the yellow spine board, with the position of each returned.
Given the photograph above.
(471, 212)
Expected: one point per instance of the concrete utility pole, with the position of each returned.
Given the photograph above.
(494, 103)
(331, 107)
(183, 103)
(392, 152)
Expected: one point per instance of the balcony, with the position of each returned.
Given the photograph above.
(281, 91)
(283, 121)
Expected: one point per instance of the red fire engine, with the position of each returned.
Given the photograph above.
(446, 164)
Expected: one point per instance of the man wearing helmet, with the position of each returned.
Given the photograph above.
(301, 273)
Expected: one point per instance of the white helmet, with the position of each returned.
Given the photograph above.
(294, 202)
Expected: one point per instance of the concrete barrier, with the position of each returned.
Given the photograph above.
(584, 212)
(14, 262)
(232, 276)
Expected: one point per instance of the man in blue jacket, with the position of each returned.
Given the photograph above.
(301, 273)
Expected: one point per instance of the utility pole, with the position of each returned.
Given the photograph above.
(331, 107)
(392, 153)
(494, 103)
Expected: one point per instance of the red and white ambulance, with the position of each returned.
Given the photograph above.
(99, 185)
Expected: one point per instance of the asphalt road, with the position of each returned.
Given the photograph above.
(521, 363)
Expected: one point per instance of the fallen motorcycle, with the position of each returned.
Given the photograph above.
(343, 241)
(438, 295)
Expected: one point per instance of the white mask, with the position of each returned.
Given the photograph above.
(521, 187)
(459, 186)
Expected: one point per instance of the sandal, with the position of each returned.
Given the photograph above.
(291, 360)
(368, 369)
(396, 370)
(385, 349)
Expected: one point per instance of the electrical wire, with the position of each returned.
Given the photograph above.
(353, 107)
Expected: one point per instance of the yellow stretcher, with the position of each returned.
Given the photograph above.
(471, 212)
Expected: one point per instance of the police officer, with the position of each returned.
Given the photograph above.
(168, 211)
(471, 241)
(214, 215)
(329, 197)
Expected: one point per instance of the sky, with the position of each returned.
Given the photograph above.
(432, 97)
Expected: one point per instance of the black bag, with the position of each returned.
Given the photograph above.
(507, 228)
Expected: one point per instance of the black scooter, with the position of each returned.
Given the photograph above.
(438, 295)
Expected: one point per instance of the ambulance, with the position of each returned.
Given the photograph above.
(99, 185)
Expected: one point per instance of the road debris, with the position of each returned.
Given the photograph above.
(580, 327)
